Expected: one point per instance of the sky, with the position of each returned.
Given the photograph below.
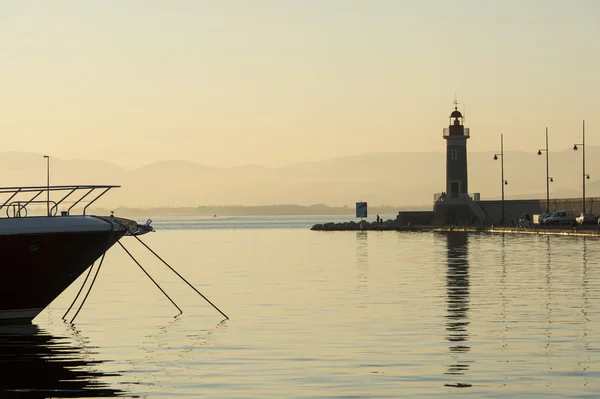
(270, 82)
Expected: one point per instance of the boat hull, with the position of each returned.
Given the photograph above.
(41, 261)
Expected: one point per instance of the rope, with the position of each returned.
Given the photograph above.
(110, 236)
(181, 277)
(150, 277)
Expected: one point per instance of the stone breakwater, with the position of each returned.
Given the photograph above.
(357, 226)
(392, 225)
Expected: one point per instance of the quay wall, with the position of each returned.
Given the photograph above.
(514, 209)
(584, 231)
(421, 218)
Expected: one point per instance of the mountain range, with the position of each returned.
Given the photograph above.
(402, 179)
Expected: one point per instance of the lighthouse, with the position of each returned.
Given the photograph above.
(456, 136)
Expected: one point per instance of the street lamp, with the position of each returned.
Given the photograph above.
(47, 184)
(548, 178)
(585, 175)
(504, 182)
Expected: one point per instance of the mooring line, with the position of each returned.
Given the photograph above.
(150, 277)
(108, 245)
(181, 277)
(90, 289)
(80, 289)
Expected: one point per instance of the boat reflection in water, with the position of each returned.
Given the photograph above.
(457, 288)
(36, 364)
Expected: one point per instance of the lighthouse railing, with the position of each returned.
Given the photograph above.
(443, 196)
(464, 130)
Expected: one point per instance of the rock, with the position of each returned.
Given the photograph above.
(352, 225)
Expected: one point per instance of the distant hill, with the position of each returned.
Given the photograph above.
(400, 179)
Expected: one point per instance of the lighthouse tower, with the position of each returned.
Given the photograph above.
(456, 136)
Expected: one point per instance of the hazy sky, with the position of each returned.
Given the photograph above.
(275, 82)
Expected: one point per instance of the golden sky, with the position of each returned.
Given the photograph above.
(276, 82)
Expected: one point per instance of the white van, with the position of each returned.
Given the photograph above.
(566, 216)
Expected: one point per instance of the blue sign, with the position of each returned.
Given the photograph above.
(361, 209)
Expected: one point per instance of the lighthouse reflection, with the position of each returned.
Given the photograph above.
(457, 289)
(36, 364)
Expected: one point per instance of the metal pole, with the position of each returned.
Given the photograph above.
(583, 145)
(47, 184)
(547, 177)
(502, 171)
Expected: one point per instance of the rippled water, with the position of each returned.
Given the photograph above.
(322, 314)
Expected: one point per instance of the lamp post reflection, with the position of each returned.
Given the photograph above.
(549, 301)
(457, 288)
(503, 294)
(585, 308)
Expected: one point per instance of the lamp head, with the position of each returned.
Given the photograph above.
(495, 157)
(539, 152)
(587, 177)
(575, 147)
(551, 180)
(505, 182)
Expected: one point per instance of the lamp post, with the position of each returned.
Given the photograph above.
(548, 178)
(504, 182)
(585, 176)
(47, 184)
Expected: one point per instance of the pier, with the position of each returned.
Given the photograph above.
(391, 225)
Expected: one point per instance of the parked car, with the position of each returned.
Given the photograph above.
(542, 217)
(587, 218)
(567, 216)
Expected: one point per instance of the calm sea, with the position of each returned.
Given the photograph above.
(321, 314)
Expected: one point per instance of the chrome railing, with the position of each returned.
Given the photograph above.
(19, 199)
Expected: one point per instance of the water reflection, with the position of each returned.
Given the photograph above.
(503, 289)
(457, 291)
(362, 260)
(36, 364)
(548, 347)
(585, 363)
(167, 342)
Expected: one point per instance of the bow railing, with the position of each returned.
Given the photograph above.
(19, 200)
